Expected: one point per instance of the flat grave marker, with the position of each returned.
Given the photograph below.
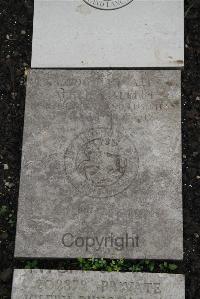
(58, 284)
(114, 33)
(101, 165)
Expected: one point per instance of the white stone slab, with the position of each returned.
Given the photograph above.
(101, 166)
(55, 284)
(142, 33)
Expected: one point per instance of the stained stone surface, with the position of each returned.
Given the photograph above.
(55, 284)
(114, 33)
(101, 165)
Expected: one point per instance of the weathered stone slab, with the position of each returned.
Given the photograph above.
(114, 33)
(55, 284)
(101, 165)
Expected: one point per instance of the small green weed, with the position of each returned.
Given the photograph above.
(122, 265)
(167, 267)
(3, 210)
(31, 264)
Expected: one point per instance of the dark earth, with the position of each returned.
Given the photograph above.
(16, 17)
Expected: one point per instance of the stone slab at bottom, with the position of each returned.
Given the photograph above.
(57, 284)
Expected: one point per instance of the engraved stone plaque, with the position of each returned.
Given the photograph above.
(108, 33)
(101, 165)
(61, 284)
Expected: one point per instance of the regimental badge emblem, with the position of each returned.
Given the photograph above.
(107, 4)
(101, 163)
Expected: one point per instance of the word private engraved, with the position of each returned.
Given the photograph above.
(101, 163)
(107, 4)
